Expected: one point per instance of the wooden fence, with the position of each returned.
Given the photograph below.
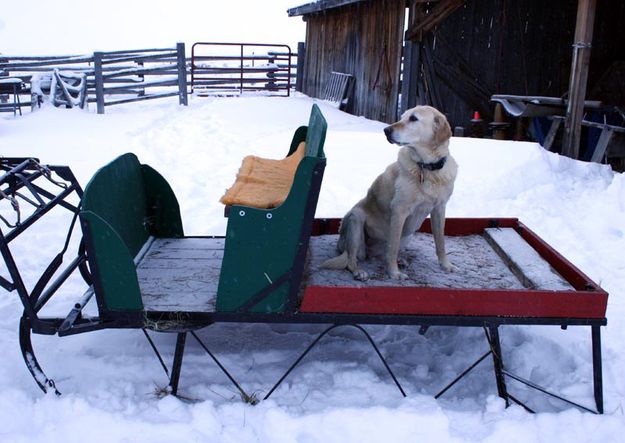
(112, 77)
(128, 75)
(135, 75)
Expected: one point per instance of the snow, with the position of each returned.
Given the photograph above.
(525, 260)
(112, 383)
(478, 264)
(111, 380)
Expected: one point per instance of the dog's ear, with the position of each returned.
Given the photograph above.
(442, 130)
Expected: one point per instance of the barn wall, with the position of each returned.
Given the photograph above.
(518, 47)
(521, 47)
(364, 40)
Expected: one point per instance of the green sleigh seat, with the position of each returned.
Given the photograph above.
(127, 205)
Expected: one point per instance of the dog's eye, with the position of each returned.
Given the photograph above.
(413, 118)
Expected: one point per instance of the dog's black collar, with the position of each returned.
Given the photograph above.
(433, 166)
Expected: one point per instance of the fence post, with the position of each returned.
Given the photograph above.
(182, 75)
(301, 54)
(99, 81)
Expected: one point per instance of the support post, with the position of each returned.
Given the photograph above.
(408, 80)
(301, 55)
(177, 366)
(493, 338)
(412, 83)
(597, 375)
(579, 76)
(99, 81)
(182, 74)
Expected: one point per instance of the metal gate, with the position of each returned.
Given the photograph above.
(235, 68)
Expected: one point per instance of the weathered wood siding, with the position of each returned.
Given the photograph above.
(521, 47)
(364, 40)
(515, 47)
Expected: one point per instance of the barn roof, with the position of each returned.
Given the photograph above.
(319, 6)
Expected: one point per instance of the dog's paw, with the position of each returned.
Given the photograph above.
(361, 275)
(448, 267)
(396, 275)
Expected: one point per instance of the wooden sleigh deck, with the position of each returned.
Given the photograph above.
(144, 273)
(499, 274)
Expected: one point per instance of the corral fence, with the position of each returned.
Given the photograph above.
(233, 68)
(105, 78)
(112, 78)
(127, 76)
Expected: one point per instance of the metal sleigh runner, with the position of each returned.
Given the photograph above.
(266, 268)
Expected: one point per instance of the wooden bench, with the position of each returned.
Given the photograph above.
(265, 248)
(130, 219)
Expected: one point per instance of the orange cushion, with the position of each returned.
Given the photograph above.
(262, 182)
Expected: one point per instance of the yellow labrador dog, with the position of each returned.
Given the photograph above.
(418, 184)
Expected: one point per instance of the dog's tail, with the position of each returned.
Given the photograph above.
(338, 262)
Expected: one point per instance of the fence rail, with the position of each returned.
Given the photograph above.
(128, 76)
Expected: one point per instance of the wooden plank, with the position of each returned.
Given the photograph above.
(603, 126)
(181, 275)
(190, 243)
(391, 300)
(438, 13)
(170, 55)
(524, 261)
(139, 71)
(12, 66)
(132, 88)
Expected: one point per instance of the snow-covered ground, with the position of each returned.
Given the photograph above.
(340, 392)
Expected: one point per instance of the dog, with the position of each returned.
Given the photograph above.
(418, 184)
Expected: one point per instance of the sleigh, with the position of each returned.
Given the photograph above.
(141, 271)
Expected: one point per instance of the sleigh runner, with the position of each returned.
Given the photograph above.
(142, 272)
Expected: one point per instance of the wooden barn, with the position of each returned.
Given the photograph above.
(457, 54)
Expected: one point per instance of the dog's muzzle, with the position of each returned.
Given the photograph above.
(389, 134)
